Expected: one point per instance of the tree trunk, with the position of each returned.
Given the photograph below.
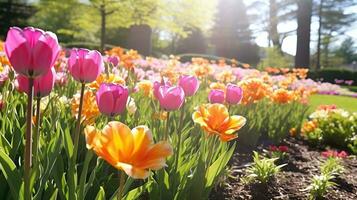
(302, 57)
(273, 23)
(318, 65)
(102, 29)
(140, 39)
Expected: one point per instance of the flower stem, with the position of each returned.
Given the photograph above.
(36, 134)
(121, 185)
(28, 147)
(167, 126)
(179, 136)
(72, 164)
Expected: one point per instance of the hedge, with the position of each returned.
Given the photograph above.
(329, 75)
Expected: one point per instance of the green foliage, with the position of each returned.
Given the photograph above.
(262, 169)
(79, 21)
(330, 74)
(347, 51)
(274, 58)
(269, 120)
(337, 128)
(320, 184)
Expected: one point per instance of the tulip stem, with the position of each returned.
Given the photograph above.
(179, 135)
(167, 126)
(121, 184)
(36, 134)
(28, 147)
(72, 165)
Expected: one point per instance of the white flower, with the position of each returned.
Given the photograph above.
(341, 112)
(64, 100)
(319, 114)
(131, 106)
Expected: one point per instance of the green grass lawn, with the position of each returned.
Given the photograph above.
(347, 103)
(352, 88)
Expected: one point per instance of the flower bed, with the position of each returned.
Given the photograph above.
(85, 125)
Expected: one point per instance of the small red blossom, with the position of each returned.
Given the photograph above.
(327, 107)
(335, 154)
(281, 148)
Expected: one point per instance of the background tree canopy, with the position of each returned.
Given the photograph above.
(226, 28)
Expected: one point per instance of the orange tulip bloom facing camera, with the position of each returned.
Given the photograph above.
(132, 151)
(215, 120)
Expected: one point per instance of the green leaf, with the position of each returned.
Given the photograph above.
(12, 176)
(216, 168)
(68, 144)
(100, 194)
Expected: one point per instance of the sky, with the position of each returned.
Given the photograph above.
(289, 44)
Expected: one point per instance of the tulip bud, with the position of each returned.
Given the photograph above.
(112, 99)
(43, 85)
(234, 94)
(131, 106)
(189, 84)
(171, 98)
(85, 65)
(31, 52)
(216, 96)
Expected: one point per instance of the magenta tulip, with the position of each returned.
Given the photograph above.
(43, 85)
(234, 94)
(216, 96)
(85, 65)
(112, 98)
(31, 52)
(114, 60)
(157, 85)
(171, 98)
(189, 84)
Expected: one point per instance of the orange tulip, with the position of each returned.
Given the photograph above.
(132, 151)
(254, 89)
(282, 96)
(215, 120)
(146, 87)
(89, 110)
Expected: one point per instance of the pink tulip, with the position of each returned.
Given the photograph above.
(171, 98)
(112, 98)
(31, 52)
(189, 84)
(114, 60)
(157, 85)
(234, 94)
(216, 96)
(85, 65)
(43, 85)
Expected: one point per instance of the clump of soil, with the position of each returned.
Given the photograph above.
(302, 162)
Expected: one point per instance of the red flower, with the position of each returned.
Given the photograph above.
(273, 148)
(334, 154)
(283, 148)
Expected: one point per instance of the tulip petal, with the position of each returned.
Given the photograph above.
(121, 140)
(18, 51)
(136, 173)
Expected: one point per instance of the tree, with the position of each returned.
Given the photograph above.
(347, 51)
(231, 36)
(333, 20)
(195, 43)
(266, 16)
(304, 13)
(13, 13)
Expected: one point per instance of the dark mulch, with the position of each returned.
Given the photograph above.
(302, 163)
